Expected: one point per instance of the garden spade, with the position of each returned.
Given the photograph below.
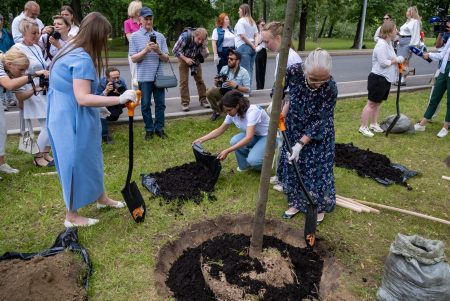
(397, 103)
(131, 194)
(311, 211)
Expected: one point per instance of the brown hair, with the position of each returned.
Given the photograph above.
(93, 38)
(110, 69)
(276, 29)
(59, 17)
(386, 28)
(232, 99)
(246, 13)
(70, 10)
(221, 19)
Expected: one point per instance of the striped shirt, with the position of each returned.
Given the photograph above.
(146, 69)
(187, 46)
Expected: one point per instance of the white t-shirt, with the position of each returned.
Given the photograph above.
(73, 30)
(411, 28)
(245, 28)
(381, 60)
(256, 116)
(293, 58)
(228, 38)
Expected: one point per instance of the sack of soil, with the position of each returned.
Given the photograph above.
(415, 270)
(188, 181)
(370, 164)
(403, 124)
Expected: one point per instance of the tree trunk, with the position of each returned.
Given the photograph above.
(330, 31)
(358, 30)
(316, 28)
(260, 213)
(76, 5)
(323, 27)
(264, 10)
(302, 31)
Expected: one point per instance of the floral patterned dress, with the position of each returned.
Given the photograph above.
(311, 113)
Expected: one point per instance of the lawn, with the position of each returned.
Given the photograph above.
(123, 253)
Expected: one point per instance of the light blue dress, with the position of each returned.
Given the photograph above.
(75, 131)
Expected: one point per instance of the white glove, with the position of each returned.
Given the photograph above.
(400, 59)
(104, 112)
(128, 95)
(216, 59)
(295, 152)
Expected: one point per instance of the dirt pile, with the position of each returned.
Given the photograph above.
(55, 277)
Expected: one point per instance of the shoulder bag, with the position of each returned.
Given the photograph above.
(27, 141)
(166, 81)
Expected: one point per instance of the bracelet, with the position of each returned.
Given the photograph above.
(30, 78)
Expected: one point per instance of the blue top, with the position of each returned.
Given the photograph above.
(6, 41)
(103, 83)
(146, 69)
(242, 78)
(75, 131)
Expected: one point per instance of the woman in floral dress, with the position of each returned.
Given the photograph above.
(310, 130)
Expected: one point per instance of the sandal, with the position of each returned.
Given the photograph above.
(289, 215)
(36, 163)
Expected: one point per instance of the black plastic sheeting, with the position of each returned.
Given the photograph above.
(67, 239)
(373, 165)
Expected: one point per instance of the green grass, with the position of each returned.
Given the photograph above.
(123, 253)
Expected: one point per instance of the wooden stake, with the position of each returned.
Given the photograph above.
(50, 173)
(358, 203)
(446, 178)
(432, 218)
(347, 205)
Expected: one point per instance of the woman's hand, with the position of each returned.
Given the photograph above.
(223, 155)
(198, 141)
(54, 42)
(42, 72)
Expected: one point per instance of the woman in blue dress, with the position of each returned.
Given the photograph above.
(73, 119)
(310, 130)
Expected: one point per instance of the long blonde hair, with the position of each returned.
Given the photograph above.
(15, 57)
(414, 12)
(246, 13)
(133, 8)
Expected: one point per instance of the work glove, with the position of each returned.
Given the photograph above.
(295, 152)
(216, 59)
(104, 112)
(400, 59)
(128, 95)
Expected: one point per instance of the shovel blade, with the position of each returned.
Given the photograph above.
(310, 226)
(135, 202)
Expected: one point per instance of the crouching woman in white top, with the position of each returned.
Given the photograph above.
(384, 72)
(253, 122)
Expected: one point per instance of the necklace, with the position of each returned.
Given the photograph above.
(308, 87)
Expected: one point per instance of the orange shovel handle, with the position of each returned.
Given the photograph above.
(132, 105)
(281, 125)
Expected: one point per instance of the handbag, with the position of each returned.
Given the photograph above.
(27, 141)
(166, 81)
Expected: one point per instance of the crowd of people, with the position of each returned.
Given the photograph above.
(83, 94)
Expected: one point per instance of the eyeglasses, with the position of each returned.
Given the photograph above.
(313, 81)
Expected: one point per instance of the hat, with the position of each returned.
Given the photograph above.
(145, 12)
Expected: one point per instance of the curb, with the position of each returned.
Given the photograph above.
(201, 112)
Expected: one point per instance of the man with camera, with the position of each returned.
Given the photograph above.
(191, 49)
(232, 76)
(147, 49)
(110, 85)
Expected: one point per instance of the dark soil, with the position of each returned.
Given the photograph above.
(186, 279)
(56, 277)
(367, 164)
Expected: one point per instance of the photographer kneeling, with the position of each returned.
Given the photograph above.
(232, 76)
(111, 85)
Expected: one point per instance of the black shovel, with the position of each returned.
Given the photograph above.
(397, 101)
(131, 194)
(311, 211)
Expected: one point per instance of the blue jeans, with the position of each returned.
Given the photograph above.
(147, 89)
(251, 155)
(248, 56)
(105, 130)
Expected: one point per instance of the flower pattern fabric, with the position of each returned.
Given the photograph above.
(311, 113)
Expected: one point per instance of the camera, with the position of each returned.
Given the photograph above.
(440, 21)
(118, 87)
(153, 38)
(193, 68)
(43, 83)
(221, 78)
(56, 35)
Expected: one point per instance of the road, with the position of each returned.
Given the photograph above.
(349, 71)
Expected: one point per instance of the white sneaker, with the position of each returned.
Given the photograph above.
(185, 108)
(273, 180)
(419, 128)
(376, 128)
(8, 169)
(442, 133)
(365, 131)
(240, 170)
(278, 187)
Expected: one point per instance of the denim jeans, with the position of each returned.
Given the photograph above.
(105, 130)
(149, 88)
(248, 56)
(252, 154)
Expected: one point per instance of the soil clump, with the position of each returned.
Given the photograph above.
(227, 257)
(56, 277)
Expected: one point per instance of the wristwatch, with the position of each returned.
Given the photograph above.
(237, 86)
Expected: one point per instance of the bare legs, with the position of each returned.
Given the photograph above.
(370, 112)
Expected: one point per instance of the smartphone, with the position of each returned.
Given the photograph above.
(153, 38)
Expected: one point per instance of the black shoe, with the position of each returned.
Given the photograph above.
(148, 135)
(214, 116)
(108, 139)
(161, 134)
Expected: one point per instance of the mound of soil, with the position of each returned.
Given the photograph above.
(56, 277)
(368, 164)
(227, 255)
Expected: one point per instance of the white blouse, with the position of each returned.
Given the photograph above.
(411, 28)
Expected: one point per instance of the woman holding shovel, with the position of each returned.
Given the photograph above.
(73, 119)
(310, 130)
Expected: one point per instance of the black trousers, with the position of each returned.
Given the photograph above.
(260, 67)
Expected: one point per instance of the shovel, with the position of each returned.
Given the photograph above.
(131, 194)
(397, 104)
(311, 211)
